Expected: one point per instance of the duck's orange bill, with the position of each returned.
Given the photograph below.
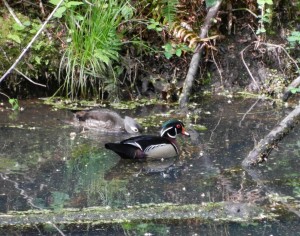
(184, 132)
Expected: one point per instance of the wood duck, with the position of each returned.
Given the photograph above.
(149, 147)
(106, 121)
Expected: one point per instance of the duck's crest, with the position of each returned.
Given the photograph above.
(167, 123)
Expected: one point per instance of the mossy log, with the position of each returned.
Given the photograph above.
(261, 151)
(221, 212)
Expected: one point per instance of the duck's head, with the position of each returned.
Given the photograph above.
(131, 126)
(173, 127)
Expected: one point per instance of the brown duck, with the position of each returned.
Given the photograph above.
(105, 120)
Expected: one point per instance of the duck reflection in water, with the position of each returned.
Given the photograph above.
(168, 169)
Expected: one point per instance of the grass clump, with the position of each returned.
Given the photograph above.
(94, 43)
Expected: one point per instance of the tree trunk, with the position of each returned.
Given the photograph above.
(193, 69)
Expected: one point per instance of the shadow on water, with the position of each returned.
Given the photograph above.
(43, 166)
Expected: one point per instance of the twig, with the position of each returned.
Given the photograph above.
(4, 95)
(12, 13)
(31, 42)
(216, 64)
(246, 9)
(247, 68)
(29, 79)
(288, 55)
(42, 8)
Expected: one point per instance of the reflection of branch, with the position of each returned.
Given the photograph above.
(61, 233)
(261, 151)
(12, 12)
(28, 198)
(22, 191)
(247, 112)
(31, 42)
(212, 132)
(272, 196)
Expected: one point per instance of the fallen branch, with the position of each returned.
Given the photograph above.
(189, 80)
(31, 42)
(221, 212)
(287, 92)
(261, 151)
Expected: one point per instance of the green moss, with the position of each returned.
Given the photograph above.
(8, 163)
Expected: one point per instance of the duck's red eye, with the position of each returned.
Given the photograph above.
(178, 126)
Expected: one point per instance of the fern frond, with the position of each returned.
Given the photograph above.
(169, 10)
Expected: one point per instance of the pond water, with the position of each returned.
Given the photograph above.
(43, 165)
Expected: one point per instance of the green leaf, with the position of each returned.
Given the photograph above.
(260, 30)
(270, 2)
(18, 27)
(100, 55)
(152, 26)
(127, 12)
(294, 37)
(60, 11)
(33, 31)
(178, 52)
(14, 103)
(79, 17)
(295, 90)
(168, 47)
(210, 3)
(168, 55)
(73, 3)
(38, 60)
(27, 23)
(14, 37)
(261, 2)
(54, 2)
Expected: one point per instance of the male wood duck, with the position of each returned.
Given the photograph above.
(150, 147)
(106, 121)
